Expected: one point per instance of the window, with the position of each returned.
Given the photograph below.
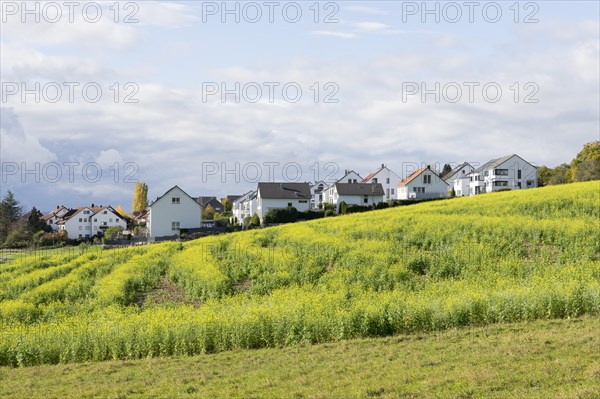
(95, 219)
(85, 220)
(289, 204)
(501, 172)
(500, 183)
(387, 180)
(303, 201)
(88, 227)
(418, 190)
(80, 220)
(519, 184)
(387, 192)
(392, 191)
(427, 179)
(375, 180)
(110, 220)
(175, 200)
(529, 183)
(486, 173)
(175, 226)
(349, 180)
(80, 236)
(366, 199)
(105, 212)
(519, 174)
(86, 212)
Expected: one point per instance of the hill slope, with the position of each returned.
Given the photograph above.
(500, 257)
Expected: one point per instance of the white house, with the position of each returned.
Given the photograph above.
(88, 221)
(387, 178)
(172, 211)
(244, 206)
(459, 172)
(461, 185)
(55, 216)
(509, 172)
(316, 191)
(282, 195)
(423, 183)
(357, 194)
(350, 176)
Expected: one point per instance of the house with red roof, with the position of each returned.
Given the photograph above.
(423, 183)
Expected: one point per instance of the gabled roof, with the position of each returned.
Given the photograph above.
(171, 189)
(415, 174)
(492, 163)
(213, 201)
(248, 196)
(359, 189)
(284, 190)
(456, 170)
(54, 212)
(232, 198)
(372, 175)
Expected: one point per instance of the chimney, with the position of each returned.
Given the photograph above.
(57, 206)
(382, 166)
(429, 167)
(92, 205)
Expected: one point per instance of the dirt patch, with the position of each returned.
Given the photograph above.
(165, 292)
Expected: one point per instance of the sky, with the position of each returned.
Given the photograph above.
(216, 96)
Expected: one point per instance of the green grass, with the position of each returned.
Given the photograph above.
(540, 359)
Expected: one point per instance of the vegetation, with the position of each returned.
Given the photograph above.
(584, 167)
(541, 359)
(140, 197)
(495, 258)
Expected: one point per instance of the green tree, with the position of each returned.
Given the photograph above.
(586, 164)
(255, 221)
(446, 169)
(113, 232)
(140, 197)
(226, 203)
(343, 208)
(35, 222)
(10, 211)
(208, 213)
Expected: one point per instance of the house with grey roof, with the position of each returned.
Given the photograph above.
(212, 201)
(510, 172)
(350, 176)
(243, 207)
(366, 194)
(387, 178)
(171, 212)
(282, 195)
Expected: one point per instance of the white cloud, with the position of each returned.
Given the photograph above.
(342, 35)
(370, 26)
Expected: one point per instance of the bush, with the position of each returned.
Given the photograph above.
(343, 208)
(17, 239)
(329, 212)
(281, 215)
(255, 221)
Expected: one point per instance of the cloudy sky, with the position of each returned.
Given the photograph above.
(215, 96)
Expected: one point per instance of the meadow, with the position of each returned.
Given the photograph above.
(494, 258)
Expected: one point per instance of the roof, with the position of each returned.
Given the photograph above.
(171, 189)
(455, 170)
(53, 213)
(359, 189)
(213, 201)
(415, 174)
(94, 210)
(284, 190)
(248, 196)
(372, 175)
(232, 198)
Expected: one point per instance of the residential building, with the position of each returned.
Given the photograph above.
(282, 195)
(213, 202)
(243, 207)
(458, 172)
(509, 172)
(423, 183)
(365, 194)
(316, 191)
(387, 178)
(55, 216)
(89, 221)
(350, 176)
(171, 212)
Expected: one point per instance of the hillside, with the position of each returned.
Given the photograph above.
(539, 359)
(494, 258)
